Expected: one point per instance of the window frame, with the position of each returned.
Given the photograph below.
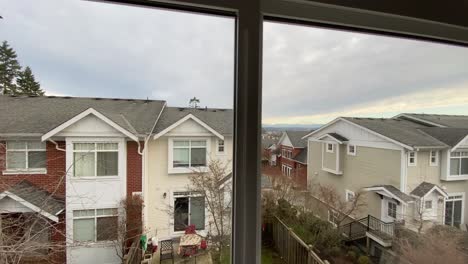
(415, 162)
(436, 162)
(95, 151)
(186, 170)
(95, 217)
(332, 150)
(389, 211)
(460, 157)
(218, 145)
(332, 217)
(347, 193)
(286, 170)
(186, 194)
(353, 153)
(26, 151)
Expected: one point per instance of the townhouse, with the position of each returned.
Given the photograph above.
(293, 156)
(412, 167)
(75, 160)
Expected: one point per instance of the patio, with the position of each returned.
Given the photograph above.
(203, 258)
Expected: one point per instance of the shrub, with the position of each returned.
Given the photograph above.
(351, 255)
(363, 260)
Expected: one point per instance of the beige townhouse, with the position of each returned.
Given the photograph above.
(412, 168)
(185, 140)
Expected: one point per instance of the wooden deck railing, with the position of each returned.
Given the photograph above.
(135, 253)
(290, 247)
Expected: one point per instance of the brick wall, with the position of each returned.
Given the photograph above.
(299, 171)
(134, 170)
(53, 181)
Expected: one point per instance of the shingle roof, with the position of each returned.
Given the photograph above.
(26, 115)
(403, 131)
(396, 192)
(220, 120)
(458, 121)
(422, 189)
(268, 142)
(301, 157)
(296, 138)
(447, 135)
(38, 197)
(338, 136)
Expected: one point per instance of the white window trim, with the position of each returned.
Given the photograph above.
(217, 147)
(388, 208)
(329, 219)
(95, 217)
(286, 169)
(410, 164)
(349, 152)
(122, 160)
(460, 158)
(332, 145)
(436, 163)
(347, 192)
(170, 158)
(26, 170)
(171, 222)
(462, 199)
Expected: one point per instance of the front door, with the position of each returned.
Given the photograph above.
(453, 210)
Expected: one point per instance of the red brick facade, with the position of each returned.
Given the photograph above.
(299, 170)
(53, 182)
(134, 169)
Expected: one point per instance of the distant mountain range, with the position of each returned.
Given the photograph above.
(283, 127)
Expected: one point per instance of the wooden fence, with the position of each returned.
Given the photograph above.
(290, 247)
(135, 253)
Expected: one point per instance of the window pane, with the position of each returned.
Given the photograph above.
(107, 228)
(198, 157)
(181, 143)
(81, 213)
(464, 166)
(84, 164)
(83, 229)
(181, 213)
(107, 163)
(454, 166)
(16, 145)
(83, 146)
(16, 160)
(181, 157)
(107, 146)
(107, 211)
(198, 143)
(36, 145)
(197, 212)
(37, 159)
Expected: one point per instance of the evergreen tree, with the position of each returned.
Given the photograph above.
(9, 69)
(27, 85)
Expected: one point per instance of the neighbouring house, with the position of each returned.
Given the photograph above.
(184, 141)
(413, 168)
(74, 160)
(270, 151)
(293, 156)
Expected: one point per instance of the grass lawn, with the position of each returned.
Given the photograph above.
(268, 257)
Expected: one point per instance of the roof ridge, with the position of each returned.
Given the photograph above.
(81, 97)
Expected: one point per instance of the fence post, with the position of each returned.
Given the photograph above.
(368, 222)
(349, 235)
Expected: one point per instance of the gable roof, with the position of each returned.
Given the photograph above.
(403, 131)
(425, 188)
(41, 114)
(454, 121)
(220, 120)
(448, 135)
(296, 138)
(301, 157)
(36, 199)
(337, 137)
(392, 192)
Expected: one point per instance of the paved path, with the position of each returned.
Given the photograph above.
(203, 259)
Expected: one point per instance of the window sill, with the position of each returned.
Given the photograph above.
(187, 170)
(332, 171)
(22, 172)
(108, 178)
(456, 178)
(93, 243)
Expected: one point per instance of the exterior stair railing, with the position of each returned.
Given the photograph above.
(358, 228)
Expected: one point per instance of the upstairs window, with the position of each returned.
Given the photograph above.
(220, 148)
(434, 158)
(189, 153)
(411, 158)
(459, 163)
(26, 155)
(392, 209)
(95, 159)
(349, 196)
(428, 205)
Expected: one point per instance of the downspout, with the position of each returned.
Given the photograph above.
(144, 154)
(57, 145)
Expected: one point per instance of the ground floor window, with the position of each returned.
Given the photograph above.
(286, 170)
(189, 209)
(333, 217)
(392, 209)
(454, 210)
(95, 225)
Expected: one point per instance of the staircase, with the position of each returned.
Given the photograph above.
(368, 226)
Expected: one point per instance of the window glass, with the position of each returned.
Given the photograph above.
(179, 143)
(107, 228)
(464, 166)
(36, 145)
(81, 213)
(83, 146)
(454, 166)
(83, 229)
(220, 145)
(181, 157)
(37, 159)
(16, 145)
(84, 164)
(181, 213)
(198, 157)
(107, 146)
(428, 204)
(16, 160)
(197, 212)
(107, 163)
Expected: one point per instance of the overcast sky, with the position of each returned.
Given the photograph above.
(311, 75)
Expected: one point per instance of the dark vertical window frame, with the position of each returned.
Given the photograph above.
(247, 107)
